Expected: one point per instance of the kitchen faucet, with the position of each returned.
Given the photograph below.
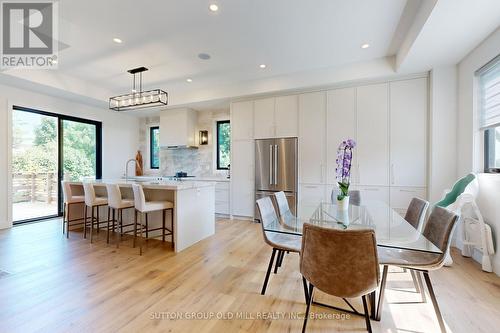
(126, 168)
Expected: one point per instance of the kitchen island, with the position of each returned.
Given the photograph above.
(194, 202)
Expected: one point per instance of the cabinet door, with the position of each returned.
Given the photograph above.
(372, 133)
(310, 196)
(286, 116)
(376, 193)
(312, 139)
(242, 120)
(263, 118)
(408, 132)
(242, 178)
(340, 125)
(401, 196)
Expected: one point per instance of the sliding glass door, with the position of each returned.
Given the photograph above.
(47, 148)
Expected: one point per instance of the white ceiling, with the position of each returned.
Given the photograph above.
(301, 42)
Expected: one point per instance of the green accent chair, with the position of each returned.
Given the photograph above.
(458, 188)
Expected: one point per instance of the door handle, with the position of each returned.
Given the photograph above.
(275, 164)
(271, 165)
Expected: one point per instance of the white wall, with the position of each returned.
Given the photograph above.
(120, 136)
(443, 134)
(469, 139)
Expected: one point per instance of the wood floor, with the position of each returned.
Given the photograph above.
(51, 284)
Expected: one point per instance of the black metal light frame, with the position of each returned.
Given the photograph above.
(138, 99)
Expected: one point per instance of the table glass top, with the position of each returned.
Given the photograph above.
(391, 229)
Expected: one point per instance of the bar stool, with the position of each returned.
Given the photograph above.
(117, 204)
(145, 207)
(92, 201)
(68, 200)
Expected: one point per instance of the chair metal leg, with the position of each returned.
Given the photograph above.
(415, 282)
(97, 209)
(367, 314)
(135, 228)
(381, 293)
(434, 302)
(281, 259)
(120, 225)
(163, 225)
(276, 265)
(372, 304)
(306, 293)
(147, 227)
(306, 316)
(66, 212)
(113, 220)
(269, 267)
(173, 241)
(142, 229)
(91, 223)
(64, 217)
(421, 284)
(107, 226)
(85, 221)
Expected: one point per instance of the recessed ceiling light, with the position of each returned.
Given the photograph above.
(365, 46)
(213, 7)
(189, 80)
(204, 56)
(117, 40)
(262, 66)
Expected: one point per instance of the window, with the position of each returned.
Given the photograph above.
(223, 145)
(489, 113)
(154, 147)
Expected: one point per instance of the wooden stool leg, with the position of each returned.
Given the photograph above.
(97, 208)
(147, 227)
(173, 239)
(142, 229)
(107, 226)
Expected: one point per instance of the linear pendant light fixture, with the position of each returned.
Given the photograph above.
(138, 99)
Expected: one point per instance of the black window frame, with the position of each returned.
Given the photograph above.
(219, 122)
(489, 145)
(60, 118)
(151, 130)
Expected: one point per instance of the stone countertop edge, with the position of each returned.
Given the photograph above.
(168, 185)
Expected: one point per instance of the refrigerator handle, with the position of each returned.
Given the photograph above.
(275, 164)
(271, 165)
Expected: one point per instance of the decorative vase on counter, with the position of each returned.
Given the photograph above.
(138, 164)
(343, 204)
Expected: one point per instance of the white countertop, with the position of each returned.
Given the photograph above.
(172, 185)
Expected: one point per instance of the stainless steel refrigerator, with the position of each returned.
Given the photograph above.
(276, 169)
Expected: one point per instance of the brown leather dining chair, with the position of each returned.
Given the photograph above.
(438, 229)
(280, 242)
(341, 263)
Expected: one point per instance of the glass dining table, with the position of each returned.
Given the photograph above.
(391, 229)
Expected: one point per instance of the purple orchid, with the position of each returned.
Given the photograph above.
(344, 163)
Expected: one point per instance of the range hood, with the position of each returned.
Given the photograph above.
(178, 129)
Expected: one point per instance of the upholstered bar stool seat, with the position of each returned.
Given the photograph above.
(145, 207)
(69, 199)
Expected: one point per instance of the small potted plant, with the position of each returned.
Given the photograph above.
(343, 172)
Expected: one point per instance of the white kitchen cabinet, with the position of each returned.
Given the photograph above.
(372, 134)
(310, 196)
(408, 105)
(222, 198)
(276, 117)
(242, 178)
(312, 137)
(340, 125)
(401, 196)
(264, 118)
(378, 193)
(242, 120)
(286, 116)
